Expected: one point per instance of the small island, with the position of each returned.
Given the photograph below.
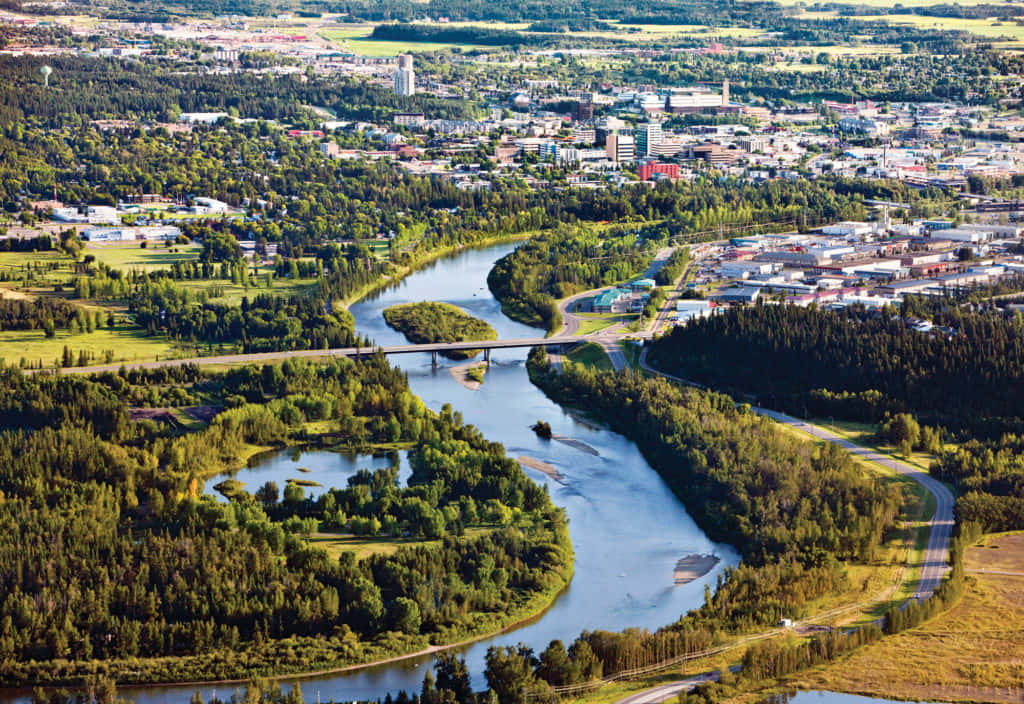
(430, 321)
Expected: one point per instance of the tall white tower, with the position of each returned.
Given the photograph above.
(405, 76)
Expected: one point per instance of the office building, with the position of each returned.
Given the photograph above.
(405, 77)
(648, 137)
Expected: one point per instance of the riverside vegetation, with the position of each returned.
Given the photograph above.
(117, 566)
(429, 321)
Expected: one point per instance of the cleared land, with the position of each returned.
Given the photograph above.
(127, 343)
(335, 543)
(973, 652)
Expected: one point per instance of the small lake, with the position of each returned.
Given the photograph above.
(325, 467)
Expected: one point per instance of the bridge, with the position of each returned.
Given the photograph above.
(433, 348)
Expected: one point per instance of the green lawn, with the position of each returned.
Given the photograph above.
(592, 355)
(128, 344)
(131, 256)
(594, 323)
(337, 543)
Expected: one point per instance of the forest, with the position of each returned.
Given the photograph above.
(859, 365)
(429, 321)
(116, 554)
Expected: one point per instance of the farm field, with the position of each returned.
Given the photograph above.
(359, 42)
(972, 652)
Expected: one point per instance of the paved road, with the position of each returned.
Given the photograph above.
(659, 261)
(664, 692)
(936, 554)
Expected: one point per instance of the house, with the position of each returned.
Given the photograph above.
(642, 284)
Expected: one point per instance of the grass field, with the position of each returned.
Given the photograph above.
(590, 324)
(973, 652)
(127, 343)
(335, 543)
(358, 40)
(592, 355)
(990, 28)
(131, 256)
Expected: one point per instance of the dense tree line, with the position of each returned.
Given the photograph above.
(114, 552)
(858, 364)
(743, 481)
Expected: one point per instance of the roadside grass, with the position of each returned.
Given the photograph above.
(632, 354)
(591, 355)
(864, 434)
(593, 324)
(128, 343)
(972, 652)
(899, 560)
(337, 543)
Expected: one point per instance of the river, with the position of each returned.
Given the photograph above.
(628, 529)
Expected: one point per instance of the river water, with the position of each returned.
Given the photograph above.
(628, 530)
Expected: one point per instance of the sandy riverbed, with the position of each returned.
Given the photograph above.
(581, 446)
(694, 567)
(541, 467)
(460, 373)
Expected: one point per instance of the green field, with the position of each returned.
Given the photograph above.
(592, 355)
(130, 256)
(358, 41)
(335, 543)
(594, 322)
(127, 343)
(985, 28)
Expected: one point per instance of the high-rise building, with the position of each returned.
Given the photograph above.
(620, 147)
(648, 136)
(405, 77)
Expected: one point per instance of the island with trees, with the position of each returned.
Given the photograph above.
(429, 321)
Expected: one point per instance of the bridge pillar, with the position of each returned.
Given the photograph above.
(487, 355)
(433, 359)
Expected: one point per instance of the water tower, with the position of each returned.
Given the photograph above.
(46, 71)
